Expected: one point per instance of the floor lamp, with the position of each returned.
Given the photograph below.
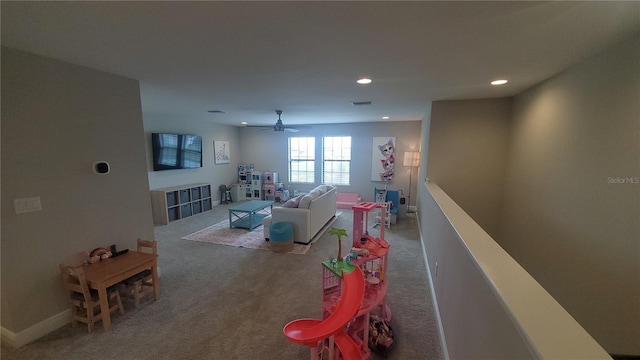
(411, 159)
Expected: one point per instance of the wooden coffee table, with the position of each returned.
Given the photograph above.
(249, 215)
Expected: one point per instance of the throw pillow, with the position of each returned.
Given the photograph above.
(292, 203)
(305, 201)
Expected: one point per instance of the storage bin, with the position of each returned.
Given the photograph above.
(281, 237)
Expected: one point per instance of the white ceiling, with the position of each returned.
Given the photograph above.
(250, 58)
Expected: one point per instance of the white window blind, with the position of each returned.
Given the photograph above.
(302, 159)
(336, 160)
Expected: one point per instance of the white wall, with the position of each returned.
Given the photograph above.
(57, 120)
(571, 204)
(214, 174)
(489, 306)
(467, 155)
(267, 150)
(565, 219)
(474, 323)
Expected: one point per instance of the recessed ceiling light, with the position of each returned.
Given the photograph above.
(499, 82)
(244, 123)
(364, 81)
(385, 118)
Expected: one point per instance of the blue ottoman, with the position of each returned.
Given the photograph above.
(281, 237)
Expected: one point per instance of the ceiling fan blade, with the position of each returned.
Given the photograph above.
(280, 127)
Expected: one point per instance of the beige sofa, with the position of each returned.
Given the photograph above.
(312, 213)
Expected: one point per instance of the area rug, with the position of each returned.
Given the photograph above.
(220, 233)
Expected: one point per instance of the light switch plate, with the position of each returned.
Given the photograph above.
(27, 205)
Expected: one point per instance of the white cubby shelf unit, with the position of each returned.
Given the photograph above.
(178, 202)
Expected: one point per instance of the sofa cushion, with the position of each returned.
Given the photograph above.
(293, 203)
(305, 202)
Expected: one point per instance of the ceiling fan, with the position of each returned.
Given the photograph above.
(280, 127)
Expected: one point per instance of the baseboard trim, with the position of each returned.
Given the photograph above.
(11, 339)
(443, 340)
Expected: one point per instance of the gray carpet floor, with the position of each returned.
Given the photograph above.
(222, 302)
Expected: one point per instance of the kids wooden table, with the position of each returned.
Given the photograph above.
(111, 271)
(248, 215)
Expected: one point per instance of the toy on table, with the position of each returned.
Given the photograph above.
(98, 254)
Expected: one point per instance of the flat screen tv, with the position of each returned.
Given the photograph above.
(176, 151)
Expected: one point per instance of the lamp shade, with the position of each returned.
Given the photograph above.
(411, 158)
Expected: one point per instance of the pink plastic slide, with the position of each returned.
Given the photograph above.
(309, 331)
(348, 348)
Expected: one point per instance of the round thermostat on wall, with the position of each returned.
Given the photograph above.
(101, 167)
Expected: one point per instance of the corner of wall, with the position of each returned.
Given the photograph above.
(16, 340)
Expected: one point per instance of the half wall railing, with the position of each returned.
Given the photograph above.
(488, 306)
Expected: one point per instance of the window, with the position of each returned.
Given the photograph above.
(302, 159)
(336, 160)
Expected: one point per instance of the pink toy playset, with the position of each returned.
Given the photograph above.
(355, 315)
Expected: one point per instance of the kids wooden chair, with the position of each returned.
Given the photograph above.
(141, 284)
(85, 303)
(225, 194)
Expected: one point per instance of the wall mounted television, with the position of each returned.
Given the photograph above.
(176, 151)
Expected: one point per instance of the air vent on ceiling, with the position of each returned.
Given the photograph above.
(361, 103)
(216, 111)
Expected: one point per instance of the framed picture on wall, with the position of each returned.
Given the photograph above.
(221, 152)
(383, 158)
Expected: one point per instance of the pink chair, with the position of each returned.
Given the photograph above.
(347, 200)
